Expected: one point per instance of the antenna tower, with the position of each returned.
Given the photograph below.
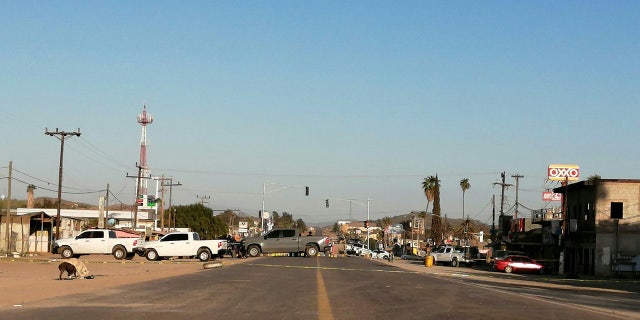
(144, 119)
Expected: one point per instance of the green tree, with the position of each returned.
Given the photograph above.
(594, 178)
(200, 219)
(464, 185)
(286, 221)
(275, 218)
(301, 226)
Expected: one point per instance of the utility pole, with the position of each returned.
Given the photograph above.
(503, 185)
(106, 208)
(493, 217)
(135, 202)
(517, 177)
(203, 198)
(171, 185)
(61, 135)
(8, 208)
(162, 204)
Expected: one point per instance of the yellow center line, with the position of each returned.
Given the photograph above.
(324, 306)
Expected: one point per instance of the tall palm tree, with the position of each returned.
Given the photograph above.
(30, 198)
(464, 185)
(428, 185)
(437, 230)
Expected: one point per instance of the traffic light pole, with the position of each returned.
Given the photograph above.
(366, 223)
(264, 192)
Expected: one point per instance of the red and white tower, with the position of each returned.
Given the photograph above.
(144, 119)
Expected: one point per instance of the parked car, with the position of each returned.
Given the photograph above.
(380, 254)
(182, 244)
(518, 264)
(501, 254)
(99, 241)
(452, 256)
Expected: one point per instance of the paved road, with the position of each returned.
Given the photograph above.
(322, 288)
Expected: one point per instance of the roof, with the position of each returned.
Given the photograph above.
(79, 214)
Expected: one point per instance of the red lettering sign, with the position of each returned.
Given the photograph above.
(563, 172)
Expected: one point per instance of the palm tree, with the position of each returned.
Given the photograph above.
(30, 198)
(428, 184)
(464, 185)
(437, 231)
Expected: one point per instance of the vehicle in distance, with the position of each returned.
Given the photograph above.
(183, 244)
(380, 254)
(99, 241)
(452, 256)
(286, 241)
(518, 264)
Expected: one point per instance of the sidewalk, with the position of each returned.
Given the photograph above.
(485, 274)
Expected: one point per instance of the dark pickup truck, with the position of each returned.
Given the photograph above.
(285, 241)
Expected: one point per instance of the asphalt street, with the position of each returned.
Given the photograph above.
(334, 288)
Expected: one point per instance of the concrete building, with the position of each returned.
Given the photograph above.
(601, 227)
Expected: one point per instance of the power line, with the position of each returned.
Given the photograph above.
(52, 190)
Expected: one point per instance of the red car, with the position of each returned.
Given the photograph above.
(518, 263)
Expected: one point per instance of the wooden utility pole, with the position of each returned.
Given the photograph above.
(171, 185)
(135, 202)
(517, 177)
(8, 208)
(503, 185)
(61, 135)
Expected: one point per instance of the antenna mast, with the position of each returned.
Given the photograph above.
(144, 119)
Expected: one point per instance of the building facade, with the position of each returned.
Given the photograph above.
(600, 232)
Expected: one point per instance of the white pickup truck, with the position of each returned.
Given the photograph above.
(183, 244)
(98, 241)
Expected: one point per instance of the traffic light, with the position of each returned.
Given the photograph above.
(306, 191)
(366, 224)
(326, 203)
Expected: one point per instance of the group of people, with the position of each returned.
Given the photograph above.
(235, 247)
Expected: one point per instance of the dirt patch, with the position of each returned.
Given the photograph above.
(27, 280)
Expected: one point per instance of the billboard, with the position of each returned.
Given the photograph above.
(563, 172)
(551, 196)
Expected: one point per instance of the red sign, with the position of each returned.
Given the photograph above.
(563, 172)
(551, 196)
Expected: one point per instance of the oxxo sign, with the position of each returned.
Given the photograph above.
(563, 172)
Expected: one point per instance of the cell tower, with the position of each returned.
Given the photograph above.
(144, 119)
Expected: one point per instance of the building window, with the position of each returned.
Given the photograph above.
(616, 210)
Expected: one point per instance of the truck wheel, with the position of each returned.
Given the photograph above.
(66, 252)
(204, 255)
(152, 255)
(311, 251)
(455, 263)
(119, 252)
(253, 251)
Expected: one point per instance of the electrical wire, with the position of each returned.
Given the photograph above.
(65, 192)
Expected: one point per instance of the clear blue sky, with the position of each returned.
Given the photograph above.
(357, 100)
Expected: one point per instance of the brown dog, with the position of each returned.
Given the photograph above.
(69, 268)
